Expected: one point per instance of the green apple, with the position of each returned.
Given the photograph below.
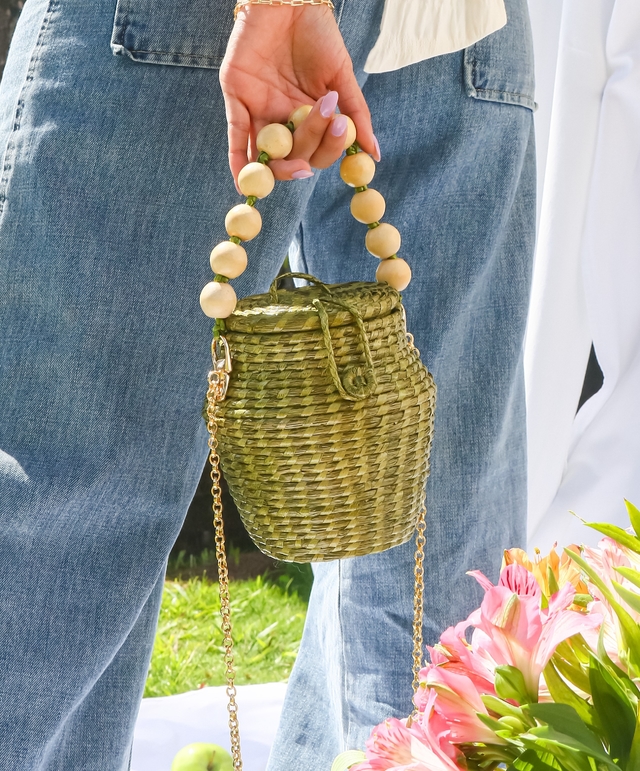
(202, 757)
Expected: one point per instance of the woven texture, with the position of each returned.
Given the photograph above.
(325, 433)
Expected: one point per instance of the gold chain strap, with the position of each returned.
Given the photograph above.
(218, 383)
(418, 596)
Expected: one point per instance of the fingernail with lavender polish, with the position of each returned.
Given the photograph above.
(328, 104)
(302, 174)
(377, 156)
(338, 126)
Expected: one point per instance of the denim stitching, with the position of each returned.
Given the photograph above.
(174, 58)
(10, 150)
(506, 97)
(175, 53)
(516, 96)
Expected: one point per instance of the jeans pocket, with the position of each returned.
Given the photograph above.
(499, 68)
(183, 33)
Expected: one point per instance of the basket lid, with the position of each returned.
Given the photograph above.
(293, 310)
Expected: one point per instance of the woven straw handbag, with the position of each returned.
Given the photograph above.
(319, 410)
(323, 435)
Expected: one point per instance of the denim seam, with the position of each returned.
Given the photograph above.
(488, 94)
(11, 147)
(513, 96)
(215, 60)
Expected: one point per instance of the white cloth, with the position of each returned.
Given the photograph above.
(413, 30)
(167, 724)
(587, 273)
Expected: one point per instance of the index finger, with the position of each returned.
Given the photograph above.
(238, 131)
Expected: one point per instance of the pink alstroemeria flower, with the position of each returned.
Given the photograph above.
(459, 704)
(396, 746)
(456, 654)
(512, 628)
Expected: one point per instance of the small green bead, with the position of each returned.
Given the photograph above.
(361, 189)
(219, 328)
(263, 158)
(235, 239)
(373, 225)
(290, 126)
(220, 279)
(251, 200)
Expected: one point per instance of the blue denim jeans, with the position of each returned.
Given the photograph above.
(114, 188)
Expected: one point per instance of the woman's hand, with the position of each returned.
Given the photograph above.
(281, 57)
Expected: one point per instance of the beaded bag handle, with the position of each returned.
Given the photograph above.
(218, 301)
(243, 222)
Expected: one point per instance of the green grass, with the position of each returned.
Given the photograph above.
(267, 614)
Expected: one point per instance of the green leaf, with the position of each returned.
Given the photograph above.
(593, 575)
(569, 751)
(629, 628)
(630, 574)
(633, 764)
(564, 719)
(630, 688)
(490, 722)
(631, 598)
(347, 759)
(634, 516)
(561, 693)
(532, 761)
(617, 533)
(570, 652)
(580, 648)
(582, 600)
(501, 707)
(616, 714)
(574, 673)
(510, 684)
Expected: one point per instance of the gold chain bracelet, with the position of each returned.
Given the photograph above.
(242, 3)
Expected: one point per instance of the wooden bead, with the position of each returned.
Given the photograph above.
(396, 273)
(243, 221)
(275, 140)
(383, 241)
(256, 179)
(357, 170)
(299, 114)
(228, 259)
(368, 206)
(218, 300)
(351, 133)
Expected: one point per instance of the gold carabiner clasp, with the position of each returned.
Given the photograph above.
(221, 372)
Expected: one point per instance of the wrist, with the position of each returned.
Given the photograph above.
(251, 6)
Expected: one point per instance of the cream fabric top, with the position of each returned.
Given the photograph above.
(413, 30)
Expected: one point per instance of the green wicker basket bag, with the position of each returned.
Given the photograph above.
(321, 410)
(324, 432)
